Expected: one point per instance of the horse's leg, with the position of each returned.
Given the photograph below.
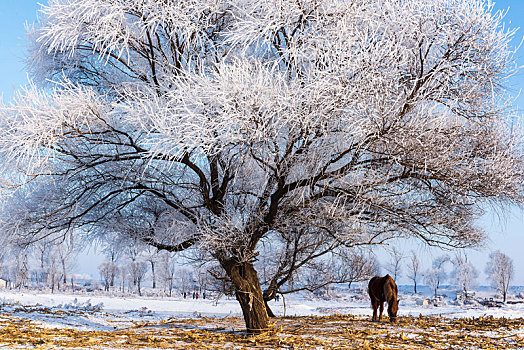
(374, 305)
(381, 310)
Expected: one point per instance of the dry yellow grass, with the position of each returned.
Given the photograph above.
(333, 332)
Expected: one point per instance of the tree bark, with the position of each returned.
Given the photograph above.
(269, 294)
(268, 309)
(249, 294)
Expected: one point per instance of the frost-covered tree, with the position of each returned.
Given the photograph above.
(108, 272)
(167, 269)
(113, 249)
(42, 250)
(394, 264)
(432, 277)
(122, 274)
(360, 266)
(465, 273)
(66, 251)
(150, 255)
(500, 272)
(19, 268)
(185, 280)
(413, 269)
(437, 274)
(52, 269)
(137, 270)
(345, 122)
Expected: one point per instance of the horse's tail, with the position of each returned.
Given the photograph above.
(371, 284)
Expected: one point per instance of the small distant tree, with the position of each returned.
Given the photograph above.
(113, 250)
(413, 269)
(465, 273)
(66, 253)
(52, 269)
(394, 265)
(151, 256)
(432, 279)
(167, 271)
(122, 272)
(20, 267)
(42, 251)
(500, 271)
(435, 276)
(361, 267)
(185, 280)
(108, 271)
(203, 279)
(137, 271)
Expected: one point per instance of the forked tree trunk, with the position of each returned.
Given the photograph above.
(269, 294)
(268, 309)
(249, 294)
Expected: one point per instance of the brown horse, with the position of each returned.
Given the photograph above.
(383, 289)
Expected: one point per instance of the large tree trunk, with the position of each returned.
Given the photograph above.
(249, 294)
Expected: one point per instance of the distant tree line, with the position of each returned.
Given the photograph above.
(456, 270)
(129, 265)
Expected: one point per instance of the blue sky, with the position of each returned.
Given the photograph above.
(506, 234)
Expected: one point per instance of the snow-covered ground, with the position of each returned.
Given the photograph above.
(57, 320)
(98, 312)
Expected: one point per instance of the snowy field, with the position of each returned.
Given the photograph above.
(355, 302)
(31, 320)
